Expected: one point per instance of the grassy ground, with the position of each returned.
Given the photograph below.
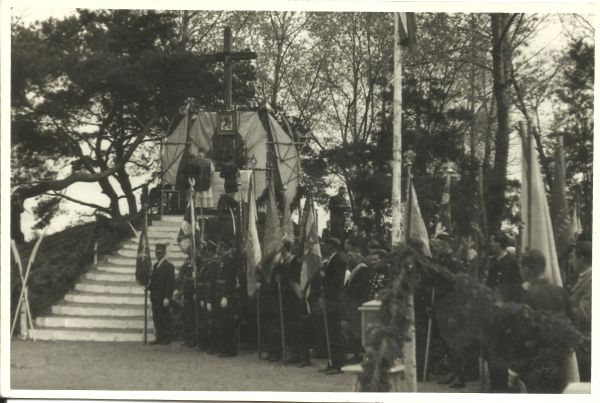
(132, 366)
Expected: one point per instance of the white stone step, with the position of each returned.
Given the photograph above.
(130, 322)
(117, 269)
(102, 335)
(159, 236)
(108, 276)
(103, 287)
(173, 253)
(130, 261)
(172, 246)
(166, 224)
(173, 229)
(95, 309)
(96, 298)
(171, 218)
(153, 241)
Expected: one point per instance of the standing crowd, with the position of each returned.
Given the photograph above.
(322, 319)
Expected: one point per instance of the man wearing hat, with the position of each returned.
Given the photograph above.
(162, 283)
(333, 287)
(223, 305)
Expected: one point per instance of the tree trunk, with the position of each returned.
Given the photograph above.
(108, 190)
(501, 72)
(125, 183)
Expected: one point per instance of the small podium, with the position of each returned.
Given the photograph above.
(369, 314)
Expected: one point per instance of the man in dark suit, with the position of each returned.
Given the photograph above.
(333, 287)
(162, 284)
(504, 278)
(224, 304)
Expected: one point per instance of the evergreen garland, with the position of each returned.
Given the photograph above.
(533, 343)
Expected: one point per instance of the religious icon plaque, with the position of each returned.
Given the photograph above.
(226, 123)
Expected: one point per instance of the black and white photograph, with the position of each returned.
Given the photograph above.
(296, 198)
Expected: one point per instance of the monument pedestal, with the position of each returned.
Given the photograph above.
(369, 314)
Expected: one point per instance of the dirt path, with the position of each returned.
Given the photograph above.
(132, 366)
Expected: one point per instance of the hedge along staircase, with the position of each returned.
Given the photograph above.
(107, 304)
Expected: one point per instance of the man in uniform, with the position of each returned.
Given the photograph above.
(224, 301)
(333, 287)
(185, 285)
(162, 283)
(206, 284)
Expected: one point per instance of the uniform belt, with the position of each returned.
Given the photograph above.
(221, 282)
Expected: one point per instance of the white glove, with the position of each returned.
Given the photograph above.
(166, 302)
(224, 302)
(202, 304)
(209, 307)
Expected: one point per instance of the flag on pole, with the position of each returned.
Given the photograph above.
(537, 229)
(286, 222)
(184, 238)
(312, 249)
(561, 220)
(143, 263)
(253, 252)
(408, 30)
(271, 237)
(444, 224)
(417, 230)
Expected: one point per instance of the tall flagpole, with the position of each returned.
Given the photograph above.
(193, 251)
(409, 350)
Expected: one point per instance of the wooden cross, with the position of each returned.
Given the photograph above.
(228, 57)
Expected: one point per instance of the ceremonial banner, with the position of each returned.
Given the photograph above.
(537, 230)
(417, 229)
(271, 237)
(312, 249)
(184, 238)
(143, 263)
(253, 252)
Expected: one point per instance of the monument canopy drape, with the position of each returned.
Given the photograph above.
(251, 129)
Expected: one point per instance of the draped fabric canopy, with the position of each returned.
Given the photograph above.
(255, 136)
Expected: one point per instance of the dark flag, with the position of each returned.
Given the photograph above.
(408, 30)
(143, 264)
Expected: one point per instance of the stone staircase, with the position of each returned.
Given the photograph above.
(107, 304)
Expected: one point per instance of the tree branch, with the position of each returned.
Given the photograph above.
(41, 187)
(92, 205)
